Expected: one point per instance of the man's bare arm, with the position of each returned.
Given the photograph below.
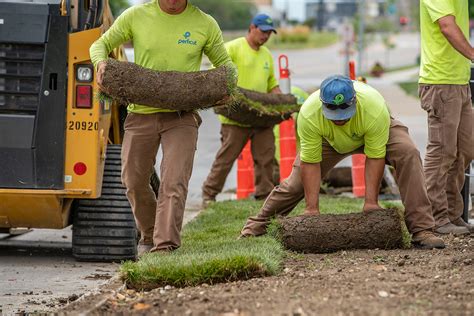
(311, 178)
(373, 177)
(455, 36)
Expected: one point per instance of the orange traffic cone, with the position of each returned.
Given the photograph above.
(287, 128)
(358, 175)
(358, 161)
(287, 148)
(245, 177)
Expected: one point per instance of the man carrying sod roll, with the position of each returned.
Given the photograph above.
(167, 35)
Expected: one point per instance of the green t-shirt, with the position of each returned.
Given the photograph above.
(254, 67)
(369, 127)
(163, 41)
(441, 63)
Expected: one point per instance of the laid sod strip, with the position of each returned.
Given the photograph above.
(211, 253)
(328, 232)
(259, 109)
(339, 206)
(182, 91)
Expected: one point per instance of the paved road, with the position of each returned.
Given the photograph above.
(309, 67)
(38, 272)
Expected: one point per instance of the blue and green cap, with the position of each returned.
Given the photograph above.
(264, 22)
(338, 97)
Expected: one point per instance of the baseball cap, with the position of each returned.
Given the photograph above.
(263, 22)
(338, 97)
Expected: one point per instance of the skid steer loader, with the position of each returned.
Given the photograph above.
(59, 144)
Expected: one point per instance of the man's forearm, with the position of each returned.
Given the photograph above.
(311, 178)
(373, 177)
(455, 36)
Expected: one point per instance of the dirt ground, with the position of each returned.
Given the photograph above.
(361, 282)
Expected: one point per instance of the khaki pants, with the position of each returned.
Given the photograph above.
(450, 147)
(233, 139)
(401, 154)
(159, 221)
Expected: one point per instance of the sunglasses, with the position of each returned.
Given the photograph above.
(342, 106)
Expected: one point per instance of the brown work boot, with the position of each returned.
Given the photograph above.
(450, 228)
(143, 249)
(244, 236)
(206, 200)
(461, 223)
(425, 239)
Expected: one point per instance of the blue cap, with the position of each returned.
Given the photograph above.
(334, 91)
(263, 22)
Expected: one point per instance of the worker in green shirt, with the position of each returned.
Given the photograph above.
(167, 35)
(341, 119)
(254, 64)
(445, 95)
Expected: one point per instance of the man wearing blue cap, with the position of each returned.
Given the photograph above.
(341, 119)
(254, 64)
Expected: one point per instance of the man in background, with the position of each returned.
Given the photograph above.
(254, 64)
(446, 97)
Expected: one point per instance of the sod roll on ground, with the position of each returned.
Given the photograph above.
(380, 229)
(182, 91)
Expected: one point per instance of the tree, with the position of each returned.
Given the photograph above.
(471, 9)
(118, 6)
(230, 14)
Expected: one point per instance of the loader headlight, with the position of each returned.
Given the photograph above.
(84, 73)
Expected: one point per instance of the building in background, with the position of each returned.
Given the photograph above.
(330, 14)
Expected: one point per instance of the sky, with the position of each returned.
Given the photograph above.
(295, 7)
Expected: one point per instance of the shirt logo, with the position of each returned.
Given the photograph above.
(266, 66)
(187, 40)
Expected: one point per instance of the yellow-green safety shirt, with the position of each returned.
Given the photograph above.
(441, 63)
(369, 127)
(254, 67)
(164, 42)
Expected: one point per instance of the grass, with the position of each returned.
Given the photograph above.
(315, 40)
(211, 253)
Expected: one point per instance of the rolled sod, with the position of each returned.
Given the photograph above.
(182, 91)
(259, 109)
(380, 229)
